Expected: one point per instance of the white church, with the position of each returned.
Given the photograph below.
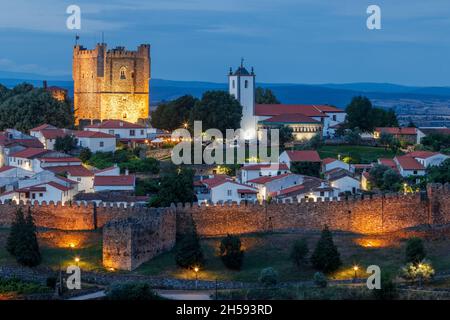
(305, 120)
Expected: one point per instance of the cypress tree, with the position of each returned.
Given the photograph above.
(15, 232)
(326, 257)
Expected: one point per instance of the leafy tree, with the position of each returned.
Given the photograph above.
(25, 107)
(231, 253)
(436, 141)
(391, 180)
(384, 118)
(353, 137)
(320, 280)
(415, 250)
(133, 291)
(268, 277)
(411, 124)
(147, 165)
(217, 109)
(174, 114)
(377, 174)
(285, 135)
(439, 174)
(66, 143)
(22, 241)
(85, 154)
(146, 186)
(265, 96)
(176, 187)
(299, 252)
(326, 257)
(306, 168)
(189, 252)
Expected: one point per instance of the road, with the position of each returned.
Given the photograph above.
(168, 294)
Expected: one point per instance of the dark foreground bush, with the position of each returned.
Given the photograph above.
(131, 291)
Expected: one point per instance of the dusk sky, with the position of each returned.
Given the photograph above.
(288, 41)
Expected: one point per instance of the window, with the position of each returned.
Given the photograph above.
(415, 172)
(102, 144)
(229, 193)
(246, 84)
(41, 195)
(132, 133)
(111, 132)
(322, 193)
(123, 73)
(124, 116)
(33, 196)
(79, 179)
(142, 132)
(233, 84)
(334, 117)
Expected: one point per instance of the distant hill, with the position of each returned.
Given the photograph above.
(334, 94)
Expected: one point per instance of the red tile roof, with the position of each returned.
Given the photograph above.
(362, 165)
(304, 156)
(422, 154)
(388, 162)
(60, 159)
(6, 168)
(277, 109)
(43, 126)
(409, 163)
(290, 118)
(265, 179)
(214, 181)
(59, 186)
(53, 133)
(29, 153)
(29, 143)
(268, 166)
(77, 171)
(92, 134)
(328, 160)
(116, 124)
(122, 180)
(397, 130)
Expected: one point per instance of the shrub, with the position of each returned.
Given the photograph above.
(299, 252)
(320, 280)
(388, 290)
(131, 291)
(422, 271)
(231, 253)
(326, 257)
(85, 154)
(415, 250)
(189, 252)
(268, 277)
(51, 282)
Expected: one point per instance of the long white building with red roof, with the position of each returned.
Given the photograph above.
(306, 121)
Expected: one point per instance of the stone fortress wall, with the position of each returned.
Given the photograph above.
(134, 235)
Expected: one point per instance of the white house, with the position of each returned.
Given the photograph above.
(47, 135)
(14, 172)
(343, 180)
(428, 158)
(24, 158)
(223, 189)
(408, 166)
(114, 183)
(80, 174)
(269, 185)
(55, 160)
(47, 191)
(253, 171)
(95, 141)
(124, 131)
(288, 157)
(311, 188)
(329, 164)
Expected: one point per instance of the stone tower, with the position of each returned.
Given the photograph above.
(111, 84)
(241, 85)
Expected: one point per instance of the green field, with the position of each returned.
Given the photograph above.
(366, 154)
(261, 250)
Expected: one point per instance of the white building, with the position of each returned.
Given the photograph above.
(253, 171)
(288, 157)
(25, 158)
(47, 135)
(95, 141)
(408, 166)
(269, 185)
(114, 183)
(343, 180)
(80, 174)
(428, 158)
(223, 189)
(47, 191)
(329, 164)
(311, 188)
(125, 132)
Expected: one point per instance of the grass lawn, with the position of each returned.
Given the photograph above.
(367, 154)
(272, 250)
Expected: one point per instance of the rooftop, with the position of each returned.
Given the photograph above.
(409, 163)
(397, 130)
(116, 124)
(303, 156)
(290, 118)
(122, 180)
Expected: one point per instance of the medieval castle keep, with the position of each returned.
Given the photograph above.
(111, 84)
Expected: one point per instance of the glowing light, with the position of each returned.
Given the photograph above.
(72, 245)
(355, 268)
(77, 259)
(112, 269)
(196, 269)
(185, 125)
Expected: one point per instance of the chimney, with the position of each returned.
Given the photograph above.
(127, 172)
(44, 84)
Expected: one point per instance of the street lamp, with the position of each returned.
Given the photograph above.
(77, 260)
(196, 269)
(355, 268)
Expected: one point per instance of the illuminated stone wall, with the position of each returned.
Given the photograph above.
(129, 242)
(111, 84)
